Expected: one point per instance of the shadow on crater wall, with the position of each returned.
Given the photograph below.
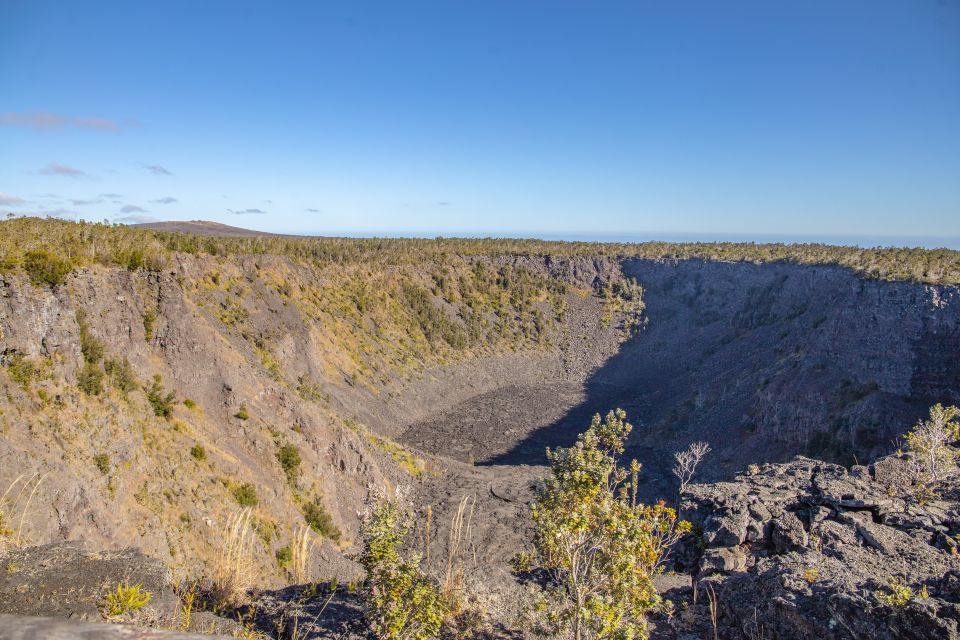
(765, 362)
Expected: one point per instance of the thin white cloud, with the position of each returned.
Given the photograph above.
(313, 210)
(111, 196)
(57, 169)
(243, 212)
(132, 208)
(6, 200)
(81, 203)
(157, 170)
(164, 200)
(46, 121)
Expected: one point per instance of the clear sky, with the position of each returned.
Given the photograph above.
(714, 118)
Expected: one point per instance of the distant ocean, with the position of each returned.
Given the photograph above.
(865, 241)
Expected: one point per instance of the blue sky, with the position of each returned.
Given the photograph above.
(814, 119)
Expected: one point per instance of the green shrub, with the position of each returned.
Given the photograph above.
(198, 452)
(90, 379)
(601, 545)
(898, 594)
(149, 319)
(90, 346)
(102, 462)
(284, 557)
(23, 371)
(246, 495)
(242, 413)
(134, 260)
(121, 374)
(189, 404)
(316, 515)
(400, 601)
(161, 402)
(45, 268)
(289, 458)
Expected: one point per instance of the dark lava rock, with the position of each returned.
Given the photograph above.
(820, 549)
(65, 580)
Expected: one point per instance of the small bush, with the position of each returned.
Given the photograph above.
(162, 403)
(45, 268)
(316, 515)
(289, 458)
(125, 598)
(90, 346)
(149, 319)
(602, 546)
(22, 371)
(284, 557)
(400, 601)
(931, 455)
(102, 462)
(121, 374)
(90, 379)
(898, 594)
(246, 495)
(189, 404)
(198, 452)
(242, 413)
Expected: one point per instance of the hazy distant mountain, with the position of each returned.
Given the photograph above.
(201, 227)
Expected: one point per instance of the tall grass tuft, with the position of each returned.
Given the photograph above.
(302, 552)
(460, 537)
(233, 572)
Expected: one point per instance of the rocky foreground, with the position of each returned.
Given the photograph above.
(803, 549)
(808, 549)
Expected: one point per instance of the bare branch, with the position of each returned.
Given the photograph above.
(688, 461)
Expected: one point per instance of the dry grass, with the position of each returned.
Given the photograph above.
(302, 553)
(17, 498)
(233, 572)
(458, 541)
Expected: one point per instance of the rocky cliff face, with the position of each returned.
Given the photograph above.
(258, 355)
(772, 360)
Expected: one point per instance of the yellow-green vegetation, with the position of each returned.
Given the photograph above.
(284, 556)
(102, 462)
(407, 461)
(288, 456)
(161, 402)
(90, 377)
(245, 495)
(319, 519)
(121, 374)
(197, 452)
(149, 320)
(626, 297)
(44, 268)
(48, 249)
(242, 413)
(125, 598)
(400, 601)
(602, 547)
(897, 593)
(931, 456)
(23, 371)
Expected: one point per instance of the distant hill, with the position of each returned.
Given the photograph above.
(203, 228)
